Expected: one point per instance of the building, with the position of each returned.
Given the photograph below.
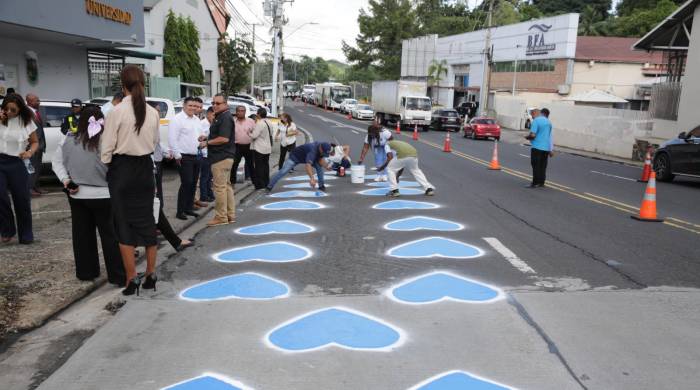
(46, 43)
(538, 61)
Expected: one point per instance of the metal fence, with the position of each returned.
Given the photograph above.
(665, 99)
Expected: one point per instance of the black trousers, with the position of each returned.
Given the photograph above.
(167, 231)
(538, 160)
(283, 153)
(243, 151)
(159, 183)
(261, 170)
(189, 173)
(15, 179)
(86, 216)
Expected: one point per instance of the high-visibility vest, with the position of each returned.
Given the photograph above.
(73, 126)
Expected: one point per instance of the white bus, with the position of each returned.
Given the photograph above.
(330, 95)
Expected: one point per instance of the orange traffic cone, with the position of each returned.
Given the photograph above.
(495, 166)
(398, 127)
(415, 132)
(349, 116)
(647, 167)
(647, 212)
(448, 143)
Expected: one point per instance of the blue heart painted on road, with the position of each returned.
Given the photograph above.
(301, 185)
(383, 191)
(459, 380)
(272, 252)
(276, 227)
(299, 194)
(423, 223)
(402, 184)
(293, 205)
(341, 327)
(208, 382)
(441, 286)
(306, 178)
(405, 205)
(242, 286)
(435, 247)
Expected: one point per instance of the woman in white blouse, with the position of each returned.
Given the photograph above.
(18, 142)
(287, 135)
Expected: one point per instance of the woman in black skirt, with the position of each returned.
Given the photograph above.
(130, 137)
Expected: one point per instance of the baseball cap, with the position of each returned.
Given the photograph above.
(325, 149)
(76, 103)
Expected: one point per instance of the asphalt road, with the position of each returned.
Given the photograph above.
(554, 288)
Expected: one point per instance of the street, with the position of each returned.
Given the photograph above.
(486, 285)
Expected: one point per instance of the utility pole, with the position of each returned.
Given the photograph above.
(280, 85)
(274, 9)
(486, 62)
(252, 68)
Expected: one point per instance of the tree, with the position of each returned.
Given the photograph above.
(555, 7)
(181, 50)
(590, 22)
(642, 21)
(436, 70)
(628, 7)
(382, 28)
(235, 59)
(321, 70)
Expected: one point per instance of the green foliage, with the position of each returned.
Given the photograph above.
(629, 7)
(180, 53)
(555, 7)
(235, 59)
(436, 71)
(641, 21)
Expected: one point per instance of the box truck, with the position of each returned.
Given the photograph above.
(402, 101)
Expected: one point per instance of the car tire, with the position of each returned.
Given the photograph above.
(662, 167)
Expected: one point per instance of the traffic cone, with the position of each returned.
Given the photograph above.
(398, 127)
(647, 167)
(415, 132)
(447, 148)
(495, 166)
(647, 212)
(349, 116)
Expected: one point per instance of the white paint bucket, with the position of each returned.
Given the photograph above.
(357, 174)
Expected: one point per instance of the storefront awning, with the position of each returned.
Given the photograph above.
(130, 53)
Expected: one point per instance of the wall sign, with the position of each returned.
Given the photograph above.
(108, 12)
(536, 44)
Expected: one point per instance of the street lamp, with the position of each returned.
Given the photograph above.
(515, 71)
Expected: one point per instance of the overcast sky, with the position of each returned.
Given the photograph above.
(337, 21)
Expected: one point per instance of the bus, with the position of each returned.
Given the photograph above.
(331, 94)
(264, 93)
(291, 88)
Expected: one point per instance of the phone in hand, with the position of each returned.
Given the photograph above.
(70, 186)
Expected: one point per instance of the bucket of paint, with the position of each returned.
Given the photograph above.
(357, 174)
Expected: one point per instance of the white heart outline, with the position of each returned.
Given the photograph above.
(389, 293)
(479, 250)
(217, 255)
(238, 231)
(444, 374)
(285, 295)
(321, 206)
(386, 226)
(220, 377)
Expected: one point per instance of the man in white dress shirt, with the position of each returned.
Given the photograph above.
(183, 136)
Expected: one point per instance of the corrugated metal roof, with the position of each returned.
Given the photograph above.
(596, 96)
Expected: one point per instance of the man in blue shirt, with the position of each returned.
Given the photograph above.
(311, 154)
(541, 146)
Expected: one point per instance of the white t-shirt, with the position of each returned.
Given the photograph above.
(284, 130)
(338, 156)
(183, 134)
(14, 137)
(205, 131)
(384, 136)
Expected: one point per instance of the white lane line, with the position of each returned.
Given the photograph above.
(524, 155)
(355, 131)
(300, 110)
(615, 176)
(512, 258)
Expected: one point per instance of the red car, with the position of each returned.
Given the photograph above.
(482, 127)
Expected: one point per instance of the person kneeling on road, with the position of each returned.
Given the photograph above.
(339, 157)
(399, 156)
(312, 154)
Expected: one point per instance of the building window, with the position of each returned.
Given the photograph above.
(525, 66)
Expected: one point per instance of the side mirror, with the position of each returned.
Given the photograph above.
(682, 135)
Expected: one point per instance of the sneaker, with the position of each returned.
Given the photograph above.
(378, 178)
(268, 190)
(322, 188)
(430, 192)
(384, 178)
(393, 193)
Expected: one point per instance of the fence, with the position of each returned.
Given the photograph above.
(665, 99)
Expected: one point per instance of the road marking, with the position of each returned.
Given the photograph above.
(524, 155)
(613, 201)
(511, 257)
(300, 110)
(355, 131)
(615, 176)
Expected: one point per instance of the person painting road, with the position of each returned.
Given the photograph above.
(377, 139)
(399, 156)
(339, 157)
(312, 154)
(540, 138)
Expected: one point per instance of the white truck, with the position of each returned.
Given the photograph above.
(402, 101)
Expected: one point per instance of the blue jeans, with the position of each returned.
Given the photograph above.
(379, 158)
(288, 166)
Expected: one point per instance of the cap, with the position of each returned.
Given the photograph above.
(76, 103)
(325, 149)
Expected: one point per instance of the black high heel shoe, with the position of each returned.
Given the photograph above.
(150, 282)
(133, 286)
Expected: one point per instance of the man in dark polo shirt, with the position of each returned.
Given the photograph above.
(222, 148)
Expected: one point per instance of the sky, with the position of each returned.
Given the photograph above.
(337, 21)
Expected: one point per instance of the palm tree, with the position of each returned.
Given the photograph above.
(435, 72)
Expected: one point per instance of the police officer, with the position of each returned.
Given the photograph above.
(70, 122)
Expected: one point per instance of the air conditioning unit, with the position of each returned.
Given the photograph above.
(564, 89)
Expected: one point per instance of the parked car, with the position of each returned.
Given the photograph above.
(482, 127)
(467, 109)
(52, 113)
(348, 105)
(446, 120)
(679, 156)
(362, 111)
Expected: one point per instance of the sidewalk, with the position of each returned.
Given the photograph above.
(518, 137)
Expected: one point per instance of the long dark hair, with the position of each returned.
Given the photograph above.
(25, 113)
(134, 81)
(82, 136)
(288, 119)
(373, 133)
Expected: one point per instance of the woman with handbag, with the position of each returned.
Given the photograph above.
(130, 137)
(287, 135)
(261, 145)
(77, 164)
